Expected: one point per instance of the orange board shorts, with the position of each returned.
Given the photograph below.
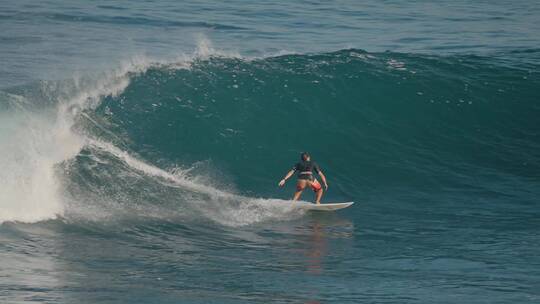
(315, 185)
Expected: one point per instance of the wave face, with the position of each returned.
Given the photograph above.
(373, 121)
(181, 139)
(158, 174)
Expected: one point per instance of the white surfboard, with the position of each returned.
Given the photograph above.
(325, 207)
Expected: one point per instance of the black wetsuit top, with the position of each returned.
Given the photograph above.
(305, 169)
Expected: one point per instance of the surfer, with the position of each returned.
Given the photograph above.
(305, 170)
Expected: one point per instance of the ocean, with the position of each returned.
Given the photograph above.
(142, 142)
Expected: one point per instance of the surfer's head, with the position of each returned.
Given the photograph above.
(304, 156)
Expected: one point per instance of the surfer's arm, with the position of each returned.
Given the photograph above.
(289, 174)
(323, 178)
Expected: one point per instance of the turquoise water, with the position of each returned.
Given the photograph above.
(142, 143)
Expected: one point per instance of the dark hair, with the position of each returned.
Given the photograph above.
(304, 155)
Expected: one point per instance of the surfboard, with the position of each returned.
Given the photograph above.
(326, 207)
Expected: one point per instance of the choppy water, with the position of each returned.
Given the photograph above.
(141, 145)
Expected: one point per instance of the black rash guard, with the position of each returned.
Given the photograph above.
(305, 169)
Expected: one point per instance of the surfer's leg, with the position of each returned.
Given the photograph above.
(300, 186)
(297, 195)
(319, 194)
(318, 190)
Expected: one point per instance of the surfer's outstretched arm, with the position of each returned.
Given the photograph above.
(323, 178)
(289, 174)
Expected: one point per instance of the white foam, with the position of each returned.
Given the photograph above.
(217, 205)
(34, 141)
(396, 65)
(205, 50)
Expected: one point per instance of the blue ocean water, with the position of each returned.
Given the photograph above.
(141, 143)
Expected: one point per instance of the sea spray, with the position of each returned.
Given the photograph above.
(36, 138)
